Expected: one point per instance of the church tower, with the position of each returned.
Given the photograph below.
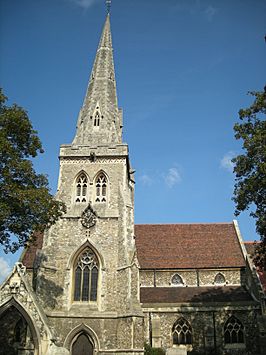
(88, 278)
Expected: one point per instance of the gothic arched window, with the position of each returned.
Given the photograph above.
(233, 331)
(177, 280)
(219, 279)
(182, 332)
(81, 188)
(97, 119)
(101, 188)
(86, 270)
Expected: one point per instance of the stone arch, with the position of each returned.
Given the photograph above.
(71, 265)
(13, 306)
(76, 332)
(79, 249)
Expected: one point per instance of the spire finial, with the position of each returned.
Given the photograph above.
(108, 6)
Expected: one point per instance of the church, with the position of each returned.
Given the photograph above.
(96, 283)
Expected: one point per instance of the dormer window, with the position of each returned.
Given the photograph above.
(81, 188)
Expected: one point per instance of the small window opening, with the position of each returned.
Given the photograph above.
(177, 280)
(97, 119)
(219, 279)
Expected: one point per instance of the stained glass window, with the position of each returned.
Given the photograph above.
(233, 331)
(86, 276)
(182, 332)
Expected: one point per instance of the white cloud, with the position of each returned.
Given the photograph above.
(145, 179)
(209, 12)
(172, 177)
(85, 4)
(4, 268)
(226, 162)
(196, 7)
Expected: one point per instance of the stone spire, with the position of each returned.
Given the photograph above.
(100, 120)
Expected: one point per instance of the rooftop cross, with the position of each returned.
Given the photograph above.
(108, 6)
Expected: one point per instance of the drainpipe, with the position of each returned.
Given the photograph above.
(150, 329)
(214, 333)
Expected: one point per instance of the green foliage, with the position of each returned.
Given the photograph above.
(250, 168)
(25, 202)
(148, 350)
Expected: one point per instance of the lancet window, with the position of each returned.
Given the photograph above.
(177, 280)
(97, 119)
(233, 331)
(182, 332)
(86, 276)
(101, 188)
(219, 279)
(81, 188)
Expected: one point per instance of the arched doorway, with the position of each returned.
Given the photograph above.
(82, 345)
(17, 337)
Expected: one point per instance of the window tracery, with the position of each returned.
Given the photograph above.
(233, 331)
(101, 188)
(182, 332)
(86, 276)
(219, 279)
(81, 188)
(177, 280)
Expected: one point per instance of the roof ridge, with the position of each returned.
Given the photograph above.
(179, 224)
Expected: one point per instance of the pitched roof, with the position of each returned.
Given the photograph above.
(194, 294)
(163, 246)
(29, 253)
(166, 246)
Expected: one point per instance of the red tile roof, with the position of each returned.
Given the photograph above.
(166, 246)
(29, 253)
(163, 246)
(194, 294)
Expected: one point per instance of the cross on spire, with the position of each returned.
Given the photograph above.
(108, 5)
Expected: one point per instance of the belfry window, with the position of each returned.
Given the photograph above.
(219, 279)
(81, 188)
(182, 332)
(101, 188)
(86, 276)
(233, 331)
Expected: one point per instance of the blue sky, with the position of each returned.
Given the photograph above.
(183, 70)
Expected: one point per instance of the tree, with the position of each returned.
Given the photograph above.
(26, 204)
(250, 169)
